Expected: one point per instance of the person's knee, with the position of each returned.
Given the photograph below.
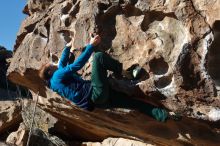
(98, 55)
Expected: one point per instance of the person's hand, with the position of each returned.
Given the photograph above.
(95, 40)
(69, 44)
(75, 49)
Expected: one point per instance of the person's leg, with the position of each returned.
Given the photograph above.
(120, 100)
(100, 94)
(101, 63)
(124, 86)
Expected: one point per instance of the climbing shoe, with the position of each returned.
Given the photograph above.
(136, 72)
(132, 74)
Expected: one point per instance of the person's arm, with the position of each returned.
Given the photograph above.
(75, 66)
(82, 59)
(64, 59)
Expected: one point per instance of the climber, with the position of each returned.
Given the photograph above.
(64, 80)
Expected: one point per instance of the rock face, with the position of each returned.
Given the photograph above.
(10, 115)
(70, 123)
(39, 128)
(175, 42)
(171, 40)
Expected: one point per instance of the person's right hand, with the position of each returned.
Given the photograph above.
(95, 40)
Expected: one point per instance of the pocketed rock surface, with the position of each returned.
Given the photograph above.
(174, 41)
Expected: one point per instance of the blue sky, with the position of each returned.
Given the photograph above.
(11, 17)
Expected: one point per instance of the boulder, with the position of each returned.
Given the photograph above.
(18, 137)
(175, 42)
(63, 119)
(4, 144)
(208, 9)
(42, 120)
(39, 122)
(169, 40)
(37, 138)
(74, 123)
(10, 115)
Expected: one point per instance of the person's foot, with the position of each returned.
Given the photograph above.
(132, 74)
(136, 72)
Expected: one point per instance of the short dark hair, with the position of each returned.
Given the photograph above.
(45, 72)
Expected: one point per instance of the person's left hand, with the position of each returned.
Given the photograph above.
(95, 40)
(69, 44)
(74, 49)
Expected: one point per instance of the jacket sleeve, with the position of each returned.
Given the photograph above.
(77, 64)
(64, 59)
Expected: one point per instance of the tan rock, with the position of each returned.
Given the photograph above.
(39, 122)
(18, 138)
(10, 114)
(150, 34)
(117, 142)
(4, 144)
(170, 40)
(38, 137)
(209, 9)
(42, 120)
(129, 124)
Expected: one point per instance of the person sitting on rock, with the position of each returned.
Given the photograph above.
(64, 80)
